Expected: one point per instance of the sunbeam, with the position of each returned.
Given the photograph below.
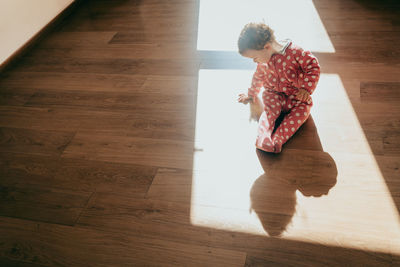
(220, 23)
(229, 182)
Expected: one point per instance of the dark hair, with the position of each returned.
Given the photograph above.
(255, 36)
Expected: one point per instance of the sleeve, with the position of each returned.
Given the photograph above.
(257, 81)
(309, 70)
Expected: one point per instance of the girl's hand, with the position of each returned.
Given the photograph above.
(243, 98)
(303, 95)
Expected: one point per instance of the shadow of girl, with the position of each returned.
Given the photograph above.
(273, 195)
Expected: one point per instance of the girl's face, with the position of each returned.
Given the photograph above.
(259, 56)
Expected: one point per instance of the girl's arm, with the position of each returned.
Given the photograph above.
(257, 81)
(310, 70)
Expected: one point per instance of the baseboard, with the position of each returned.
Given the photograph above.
(40, 35)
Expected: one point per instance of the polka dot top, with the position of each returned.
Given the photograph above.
(286, 72)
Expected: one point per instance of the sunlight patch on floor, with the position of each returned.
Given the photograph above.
(220, 23)
(358, 211)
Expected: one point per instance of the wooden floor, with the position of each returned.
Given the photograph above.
(122, 145)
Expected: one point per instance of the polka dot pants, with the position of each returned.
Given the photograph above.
(271, 137)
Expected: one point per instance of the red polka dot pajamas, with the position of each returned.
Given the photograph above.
(282, 77)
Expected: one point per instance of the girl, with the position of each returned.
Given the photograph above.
(289, 75)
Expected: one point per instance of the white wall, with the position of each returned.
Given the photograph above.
(20, 20)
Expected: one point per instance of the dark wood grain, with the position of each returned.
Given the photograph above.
(24, 171)
(114, 151)
(34, 141)
(42, 203)
(380, 91)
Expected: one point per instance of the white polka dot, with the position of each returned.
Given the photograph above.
(274, 80)
(298, 121)
(310, 83)
(297, 58)
(291, 122)
(286, 130)
(281, 131)
(269, 116)
(289, 106)
(288, 57)
(314, 61)
(292, 75)
(284, 64)
(273, 106)
(310, 67)
(294, 109)
(306, 79)
(278, 104)
(276, 97)
(315, 68)
(301, 61)
(293, 61)
(267, 97)
(303, 53)
(280, 70)
(301, 107)
(287, 137)
(294, 52)
(269, 76)
(288, 71)
(308, 61)
(302, 85)
(279, 60)
(284, 88)
(297, 114)
(270, 63)
(277, 112)
(272, 100)
(292, 129)
(313, 77)
(284, 123)
(282, 79)
(305, 113)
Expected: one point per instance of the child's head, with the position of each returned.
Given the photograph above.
(255, 41)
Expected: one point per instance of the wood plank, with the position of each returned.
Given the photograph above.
(50, 245)
(175, 125)
(360, 260)
(34, 141)
(70, 39)
(16, 263)
(143, 151)
(160, 50)
(380, 91)
(62, 119)
(161, 219)
(26, 171)
(42, 203)
(15, 96)
(147, 123)
(173, 85)
(170, 159)
(135, 37)
(114, 22)
(72, 81)
(171, 185)
(133, 102)
(109, 66)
